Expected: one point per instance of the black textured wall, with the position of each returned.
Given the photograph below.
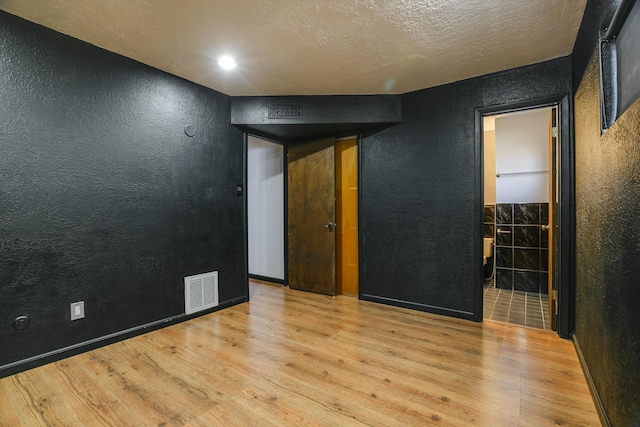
(320, 116)
(421, 213)
(607, 249)
(103, 198)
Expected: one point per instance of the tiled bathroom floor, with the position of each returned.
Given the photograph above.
(515, 307)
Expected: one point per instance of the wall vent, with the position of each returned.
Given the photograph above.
(285, 111)
(200, 292)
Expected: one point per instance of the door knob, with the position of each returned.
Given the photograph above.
(545, 227)
(330, 225)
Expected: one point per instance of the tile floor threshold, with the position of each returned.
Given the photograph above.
(515, 307)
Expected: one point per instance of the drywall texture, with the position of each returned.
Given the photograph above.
(419, 204)
(607, 250)
(293, 47)
(103, 196)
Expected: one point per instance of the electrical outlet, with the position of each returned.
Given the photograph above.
(77, 310)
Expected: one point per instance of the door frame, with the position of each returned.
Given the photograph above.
(565, 252)
(357, 137)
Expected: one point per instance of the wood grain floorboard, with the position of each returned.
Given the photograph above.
(291, 358)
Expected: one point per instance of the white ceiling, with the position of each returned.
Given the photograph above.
(320, 47)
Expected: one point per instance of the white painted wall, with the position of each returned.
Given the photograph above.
(522, 156)
(265, 201)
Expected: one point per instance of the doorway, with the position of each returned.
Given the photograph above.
(265, 210)
(520, 204)
(322, 216)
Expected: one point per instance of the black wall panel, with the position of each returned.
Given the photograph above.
(103, 197)
(417, 181)
(421, 212)
(607, 235)
(318, 116)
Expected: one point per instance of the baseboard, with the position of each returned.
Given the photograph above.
(72, 350)
(418, 306)
(266, 279)
(602, 413)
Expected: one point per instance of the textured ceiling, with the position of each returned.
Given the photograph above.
(303, 47)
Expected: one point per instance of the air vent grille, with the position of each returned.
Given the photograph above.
(285, 111)
(200, 292)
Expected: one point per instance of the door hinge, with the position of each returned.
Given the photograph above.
(554, 131)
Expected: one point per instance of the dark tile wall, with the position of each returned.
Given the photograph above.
(521, 246)
(489, 220)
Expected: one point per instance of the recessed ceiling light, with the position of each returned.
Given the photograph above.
(227, 62)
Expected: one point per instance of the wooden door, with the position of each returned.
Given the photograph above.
(347, 217)
(311, 216)
(551, 226)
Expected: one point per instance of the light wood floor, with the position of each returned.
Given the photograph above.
(300, 359)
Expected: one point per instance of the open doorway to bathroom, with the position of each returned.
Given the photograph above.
(520, 196)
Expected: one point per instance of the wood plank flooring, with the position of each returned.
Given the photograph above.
(290, 358)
